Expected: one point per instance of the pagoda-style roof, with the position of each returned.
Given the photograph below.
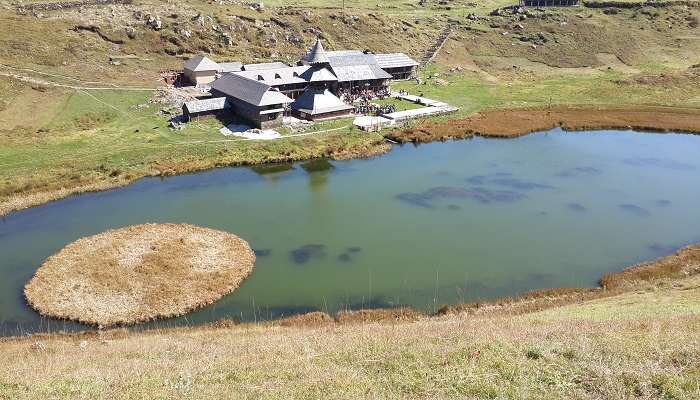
(317, 55)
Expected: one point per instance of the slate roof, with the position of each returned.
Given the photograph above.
(355, 66)
(227, 67)
(213, 104)
(318, 74)
(277, 76)
(317, 55)
(264, 66)
(201, 63)
(250, 91)
(394, 60)
(317, 101)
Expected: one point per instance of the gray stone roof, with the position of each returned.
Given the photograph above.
(394, 60)
(226, 67)
(201, 63)
(317, 55)
(317, 101)
(250, 91)
(277, 76)
(264, 66)
(213, 104)
(355, 66)
(318, 74)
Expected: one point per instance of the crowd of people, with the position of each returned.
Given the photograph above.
(363, 94)
(368, 108)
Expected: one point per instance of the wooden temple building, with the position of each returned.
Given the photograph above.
(321, 86)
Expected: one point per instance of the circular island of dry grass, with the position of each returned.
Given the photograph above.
(140, 273)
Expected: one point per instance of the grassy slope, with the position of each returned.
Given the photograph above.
(53, 138)
(642, 344)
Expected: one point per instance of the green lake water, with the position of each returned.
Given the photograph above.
(422, 226)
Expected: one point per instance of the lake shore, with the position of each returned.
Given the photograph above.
(493, 124)
(679, 266)
(542, 346)
(520, 122)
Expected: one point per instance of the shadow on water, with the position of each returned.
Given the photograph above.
(307, 253)
(577, 207)
(659, 163)
(579, 171)
(507, 180)
(634, 210)
(262, 252)
(319, 172)
(663, 203)
(273, 172)
(482, 195)
(349, 254)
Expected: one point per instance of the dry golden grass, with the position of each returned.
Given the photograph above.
(683, 263)
(637, 345)
(520, 122)
(140, 273)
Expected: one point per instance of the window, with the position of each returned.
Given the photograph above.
(277, 76)
(260, 78)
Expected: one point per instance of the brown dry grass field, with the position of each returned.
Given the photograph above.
(638, 342)
(140, 273)
(519, 122)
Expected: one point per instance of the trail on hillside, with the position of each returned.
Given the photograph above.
(39, 81)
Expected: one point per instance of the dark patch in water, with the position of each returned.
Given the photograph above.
(661, 250)
(454, 207)
(317, 165)
(306, 253)
(477, 179)
(506, 179)
(659, 163)
(543, 213)
(482, 195)
(578, 171)
(262, 252)
(483, 179)
(265, 169)
(634, 209)
(663, 203)
(350, 253)
(518, 184)
(538, 279)
(576, 207)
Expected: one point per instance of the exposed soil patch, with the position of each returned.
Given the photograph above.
(140, 273)
(514, 123)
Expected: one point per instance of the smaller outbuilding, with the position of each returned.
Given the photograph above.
(318, 103)
(206, 108)
(201, 70)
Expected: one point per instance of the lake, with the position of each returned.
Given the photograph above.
(422, 226)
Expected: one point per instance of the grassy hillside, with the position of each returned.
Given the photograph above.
(640, 344)
(60, 135)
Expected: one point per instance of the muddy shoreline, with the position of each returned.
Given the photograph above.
(507, 123)
(682, 264)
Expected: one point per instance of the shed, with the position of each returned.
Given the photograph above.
(201, 70)
(204, 108)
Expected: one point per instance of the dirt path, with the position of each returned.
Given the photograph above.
(15, 73)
